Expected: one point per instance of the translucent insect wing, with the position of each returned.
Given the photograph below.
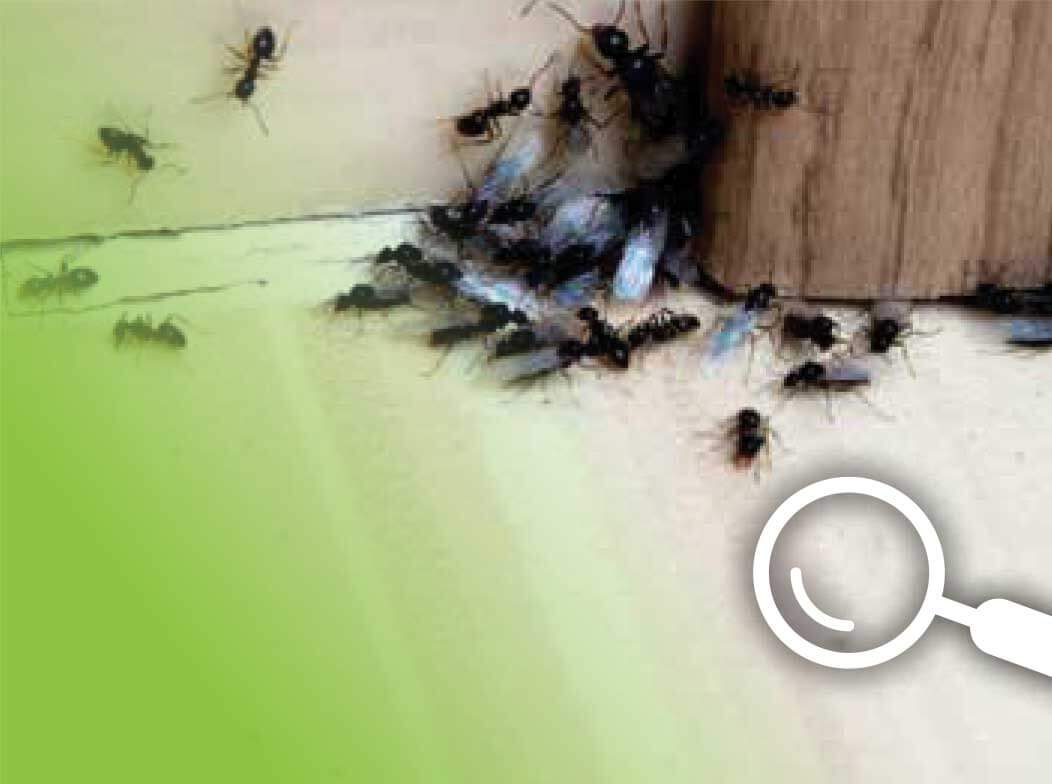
(523, 367)
(731, 335)
(643, 248)
(512, 167)
(848, 373)
(1030, 332)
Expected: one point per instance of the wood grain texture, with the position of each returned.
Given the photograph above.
(920, 158)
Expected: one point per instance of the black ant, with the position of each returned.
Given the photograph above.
(574, 116)
(66, 281)
(128, 145)
(830, 378)
(141, 329)
(259, 56)
(752, 434)
(815, 375)
(747, 88)
(820, 330)
(1006, 301)
(410, 259)
(485, 122)
(661, 327)
(889, 328)
(654, 95)
(133, 149)
(364, 296)
(459, 222)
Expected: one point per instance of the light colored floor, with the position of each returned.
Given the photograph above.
(630, 537)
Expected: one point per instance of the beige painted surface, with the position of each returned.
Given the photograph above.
(352, 111)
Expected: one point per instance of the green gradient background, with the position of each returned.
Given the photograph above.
(285, 556)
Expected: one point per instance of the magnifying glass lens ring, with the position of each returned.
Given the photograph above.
(848, 485)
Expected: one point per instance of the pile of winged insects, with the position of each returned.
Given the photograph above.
(540, 240)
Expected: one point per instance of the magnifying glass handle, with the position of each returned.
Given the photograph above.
(1014, 633)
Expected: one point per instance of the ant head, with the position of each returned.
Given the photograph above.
(171, 334)
(83, 277)
(475, 212)
(610, 41)
(620, 354)
(473, 124)
(760, 297)
(823, 324)
(361, 293)
(444, 215)
(883, 336)
(784, 99)
(588, 315)
(523, 209)
(408, 253)
(749, 419)
(244, 88)
(448, 271)
(145, 162)
(520, 99)
(519, 318)
(687, 322)
(110, 137)
(812, 371)
(264, 43)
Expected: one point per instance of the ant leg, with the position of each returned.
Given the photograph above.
(445, 353)
(259, 117)
(664, 25)
(873, 406)
(638, 7)
(598, 64)
(540, 71)
(464, 169)
(601, 125)
(237, 54)
(280, 54)
(829, 405)
(134, 188)
(909, 362)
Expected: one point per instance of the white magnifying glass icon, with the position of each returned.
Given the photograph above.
(998, 627)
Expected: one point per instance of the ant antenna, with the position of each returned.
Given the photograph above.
(259, 118)
(464, 170)
(569, 17)
(540, 72)
(620, 13)
(528, 8)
